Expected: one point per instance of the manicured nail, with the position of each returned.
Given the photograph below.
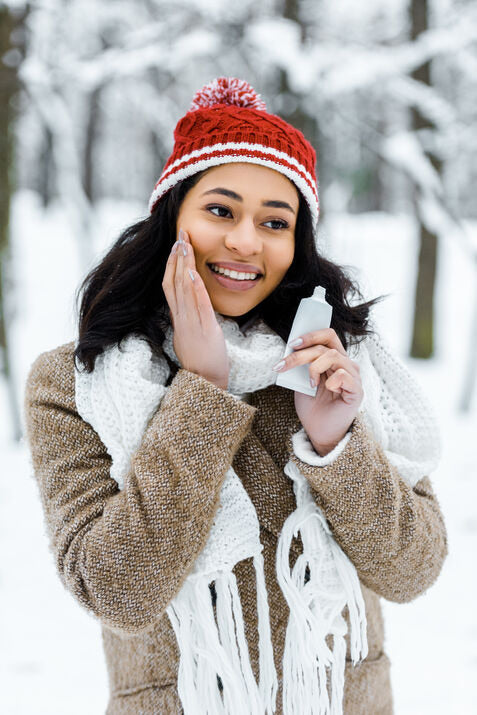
(279, 365)
(181, 235)
(191, 275)
(175, 247)
(295, 343)
(184, 248)
(312, 382)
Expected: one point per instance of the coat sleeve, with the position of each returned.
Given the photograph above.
(393, 533)
(125, 554)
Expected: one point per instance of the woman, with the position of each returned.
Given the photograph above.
(233, 537)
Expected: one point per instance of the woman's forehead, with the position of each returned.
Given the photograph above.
(248, 176)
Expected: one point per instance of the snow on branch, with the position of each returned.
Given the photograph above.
(119, 63)
(345, 67)
(425, 98)
(402, 149)
(376, 64)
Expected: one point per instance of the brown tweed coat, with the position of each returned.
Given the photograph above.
(125, 554)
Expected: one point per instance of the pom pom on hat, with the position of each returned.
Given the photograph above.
(228, 122)
(228, 91)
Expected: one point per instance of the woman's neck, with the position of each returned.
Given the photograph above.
(242, 319)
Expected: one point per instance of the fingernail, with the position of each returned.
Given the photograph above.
(279, 365)
(181, 235)
(174, 247)
(191, 275)
(312, 382)
(295, 343)
(184, 248)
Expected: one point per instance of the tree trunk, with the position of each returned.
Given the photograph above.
(46, 168)
(92, 125)
(9, 86)
(422, 345)
(469, 380)
(297, 116)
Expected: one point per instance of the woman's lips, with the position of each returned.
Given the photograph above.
(233, 284)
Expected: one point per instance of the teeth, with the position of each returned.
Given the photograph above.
(234, 274)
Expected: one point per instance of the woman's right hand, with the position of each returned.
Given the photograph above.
(199, 341)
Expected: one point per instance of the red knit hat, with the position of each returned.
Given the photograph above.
(228, 122)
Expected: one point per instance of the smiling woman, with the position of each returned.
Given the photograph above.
(121, 294)
(233, 537)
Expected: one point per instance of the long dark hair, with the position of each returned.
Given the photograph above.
(123, 293)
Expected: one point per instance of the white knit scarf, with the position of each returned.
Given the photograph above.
(119, 398)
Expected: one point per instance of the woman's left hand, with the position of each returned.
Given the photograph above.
(326, 417)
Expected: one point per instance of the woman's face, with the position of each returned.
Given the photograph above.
(241, 216)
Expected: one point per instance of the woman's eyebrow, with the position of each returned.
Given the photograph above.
(237, 197)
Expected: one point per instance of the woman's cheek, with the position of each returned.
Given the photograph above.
(204, 236)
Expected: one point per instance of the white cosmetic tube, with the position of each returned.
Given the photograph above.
(313, 313)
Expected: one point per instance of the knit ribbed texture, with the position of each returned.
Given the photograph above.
(124, 554)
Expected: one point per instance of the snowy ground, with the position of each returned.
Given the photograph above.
(52, 648)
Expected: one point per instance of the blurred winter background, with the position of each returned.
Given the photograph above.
(387, 93)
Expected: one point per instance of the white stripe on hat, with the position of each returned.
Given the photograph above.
(299, 175)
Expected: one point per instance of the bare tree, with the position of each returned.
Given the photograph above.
(11, 51)
(422, 345)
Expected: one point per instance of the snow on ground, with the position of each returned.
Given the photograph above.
(51, 662)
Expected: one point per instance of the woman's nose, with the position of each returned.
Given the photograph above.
(244, 238)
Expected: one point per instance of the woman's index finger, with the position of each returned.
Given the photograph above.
(324, 336)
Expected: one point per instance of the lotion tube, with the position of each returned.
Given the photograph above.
(313, 313)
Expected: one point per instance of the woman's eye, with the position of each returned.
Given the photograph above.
(220, 208)
(281, 224)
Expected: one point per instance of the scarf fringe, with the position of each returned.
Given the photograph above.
(210, 648)
(268, 674)
(315, 609)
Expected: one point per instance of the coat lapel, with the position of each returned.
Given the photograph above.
(264, 453)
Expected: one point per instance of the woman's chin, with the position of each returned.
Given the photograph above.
(229, 312)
